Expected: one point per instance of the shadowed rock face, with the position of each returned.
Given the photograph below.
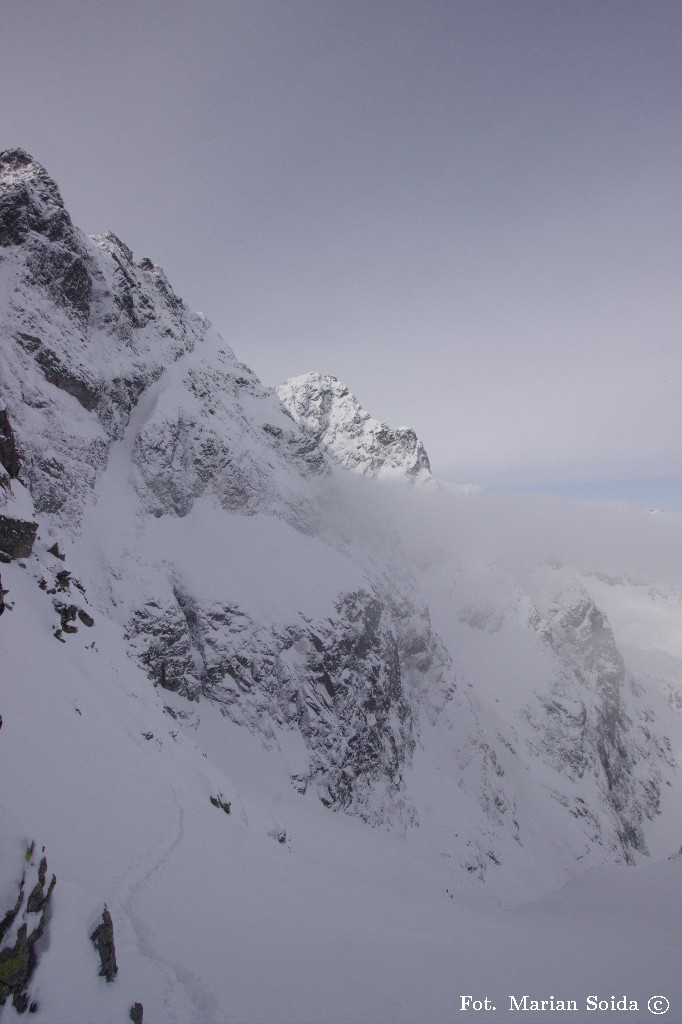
(30, 202)
(17, 537)
(17, 533)
(32, 209)
(9, 456)
(81, 386)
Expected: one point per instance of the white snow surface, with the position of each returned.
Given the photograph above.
(217, 921)
(448, 724)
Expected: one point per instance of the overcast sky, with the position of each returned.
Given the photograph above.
(470, 212)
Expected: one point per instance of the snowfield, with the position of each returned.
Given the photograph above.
(330, 740)
(215, 920)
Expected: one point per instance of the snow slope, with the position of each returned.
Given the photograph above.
(215, 920)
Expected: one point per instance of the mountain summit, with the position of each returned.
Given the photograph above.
(31, 201)
(326, 409)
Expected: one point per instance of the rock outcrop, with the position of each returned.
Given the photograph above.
(17, 526)
(102, 939)
(21, 927)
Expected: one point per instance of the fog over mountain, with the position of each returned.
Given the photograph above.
(291, 728)
(467, 212)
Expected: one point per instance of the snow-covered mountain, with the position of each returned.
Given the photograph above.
(325, 409)
(223, 598)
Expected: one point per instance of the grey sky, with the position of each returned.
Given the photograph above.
(469, 212)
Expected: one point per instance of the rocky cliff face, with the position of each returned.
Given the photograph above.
(84, 334)
(594, 725)
(214, 523)
(328, 412)
(347, 682)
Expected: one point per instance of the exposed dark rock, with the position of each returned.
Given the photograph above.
(166, 650)
(9, 456)
(32, 208)
(69, 378)
(57, 552)
(86, 619)
(136, 1012)
(67, 614)
(10, 915)
(17, 537)
(38, 897)
(136, 297)
(103, 940)
(218, 801)
(31, 202)
(18, 961)
(62, 271)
